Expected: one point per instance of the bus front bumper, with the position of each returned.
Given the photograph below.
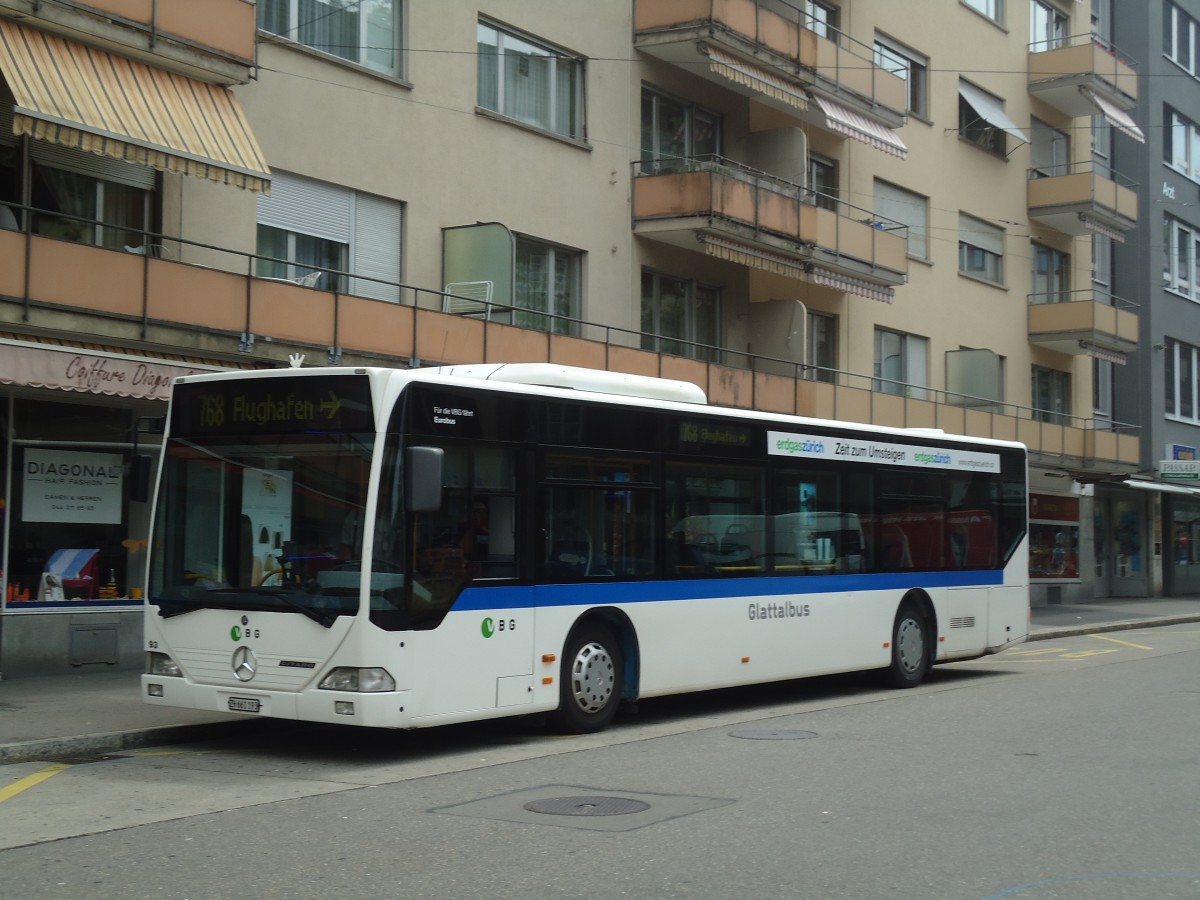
(389, 709)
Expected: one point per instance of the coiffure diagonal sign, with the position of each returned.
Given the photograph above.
(831, 448)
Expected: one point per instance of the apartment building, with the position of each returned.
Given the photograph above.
(1158, 390)
(812, 207)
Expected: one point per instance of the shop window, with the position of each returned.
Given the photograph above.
(73, 533)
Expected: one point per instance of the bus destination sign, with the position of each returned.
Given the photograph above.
(333, 403)
(829, 447)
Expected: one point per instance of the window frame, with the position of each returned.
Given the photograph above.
(897, 204)
(1178, 396)
(820, 352)
(527, 316)
(576, 128)
(1050, 276)
(696, 117)
(1051, 21)
(975, 129)
(265, 8)
(1057, 386)
(1053, 144)
(913, 360)
(989, 260)
(1181, 258)
(911, 67)
(989, 9)
(689, 344)
(1181, 38)
(1181, 144)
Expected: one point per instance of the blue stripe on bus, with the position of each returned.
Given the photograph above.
(591, 593)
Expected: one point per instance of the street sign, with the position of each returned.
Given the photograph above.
(1179, 469)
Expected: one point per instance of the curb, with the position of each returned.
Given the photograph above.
(1124, 625)
(63, 748)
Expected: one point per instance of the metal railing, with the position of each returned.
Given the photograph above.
(172, 250)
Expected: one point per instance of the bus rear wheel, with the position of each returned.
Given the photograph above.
(910, 649)
(590, 682)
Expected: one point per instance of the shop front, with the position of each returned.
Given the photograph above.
(78, 448)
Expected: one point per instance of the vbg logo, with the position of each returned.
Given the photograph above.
(490, 626)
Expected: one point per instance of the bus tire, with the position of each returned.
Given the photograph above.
(910, 648)
(591, 681)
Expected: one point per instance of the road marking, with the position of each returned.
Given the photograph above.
(31, 780)
(1103, 637)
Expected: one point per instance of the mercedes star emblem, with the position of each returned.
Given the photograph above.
(245, 663)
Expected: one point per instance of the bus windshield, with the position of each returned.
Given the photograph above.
(269, 519)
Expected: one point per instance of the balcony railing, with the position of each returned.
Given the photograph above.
(1084, 322)
(1078, 199)
(791, 46)
(185, 296)
(1086, 61)
(677, 200)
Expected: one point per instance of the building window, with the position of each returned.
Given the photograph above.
(977, 125)
(680, 317)
(674, 131)
(1051, 275)
(901, 364)
(548, 280)
(1047, 27)
(1102, 392)
(821, 347)
(530, 82)
(1180, 367)
(1181, 43)
(993, 9)
(1102, 262)
(366, 32)
(821, 17)
(911, 209)
(911, 67)
(980, 249)
(322, 235)
(1181, 258)
(1181, 144)
(823, 181)
(1051, 395)
(1049, 151)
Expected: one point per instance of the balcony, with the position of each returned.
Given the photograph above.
(1074, 77)
(1078, 199)
(1091, 324)
(212, 41)
(769, 50)
(743, 215)
(210, 307)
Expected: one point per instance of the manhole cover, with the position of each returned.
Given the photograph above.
(587, 806)
(775, 734)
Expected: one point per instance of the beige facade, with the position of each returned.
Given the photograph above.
(728, 215)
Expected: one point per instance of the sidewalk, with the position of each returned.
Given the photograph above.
(96, 711)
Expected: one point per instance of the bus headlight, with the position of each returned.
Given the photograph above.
(362, 681)
(161, 664)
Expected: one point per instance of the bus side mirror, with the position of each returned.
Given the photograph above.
(139, 477)
(423, 479)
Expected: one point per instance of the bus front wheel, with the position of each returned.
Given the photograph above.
(590, 682)
(910, 649)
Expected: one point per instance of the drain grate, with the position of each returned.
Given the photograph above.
(772, 734)
(587, 806)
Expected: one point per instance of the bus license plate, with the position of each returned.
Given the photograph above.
(243, 704)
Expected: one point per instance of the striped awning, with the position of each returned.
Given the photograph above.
(855, 125)
(78, 96)
(757, 258)
(1115, 116)
(754, 77)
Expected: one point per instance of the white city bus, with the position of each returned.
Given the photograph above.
(407, 548)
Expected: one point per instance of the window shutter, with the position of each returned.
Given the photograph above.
(307, 207)
(376, 247)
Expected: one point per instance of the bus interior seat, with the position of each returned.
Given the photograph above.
(571, 552)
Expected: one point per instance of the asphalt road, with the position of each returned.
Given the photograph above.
(1060, 769)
